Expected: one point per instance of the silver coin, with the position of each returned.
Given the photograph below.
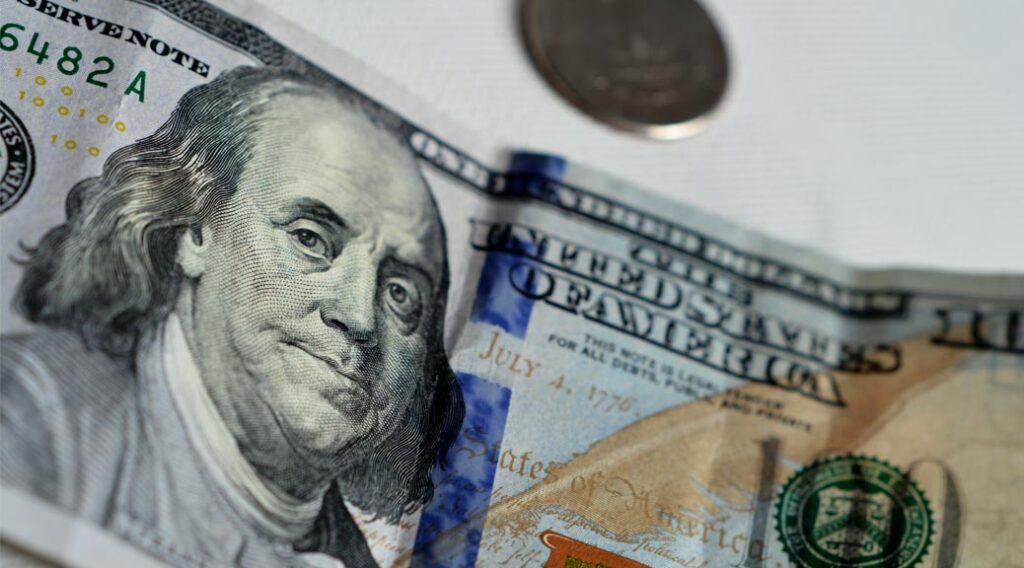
(655, 67)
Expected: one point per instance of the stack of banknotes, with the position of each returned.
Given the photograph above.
(262, 308)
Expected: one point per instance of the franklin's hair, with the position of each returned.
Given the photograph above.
(110, 274)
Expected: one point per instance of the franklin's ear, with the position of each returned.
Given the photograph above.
(193, 248)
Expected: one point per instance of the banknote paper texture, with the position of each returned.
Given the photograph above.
(262, 308)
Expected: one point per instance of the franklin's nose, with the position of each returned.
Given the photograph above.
(352, 305)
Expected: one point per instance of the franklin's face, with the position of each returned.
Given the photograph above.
(316, 288)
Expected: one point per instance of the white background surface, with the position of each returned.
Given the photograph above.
(881, 132)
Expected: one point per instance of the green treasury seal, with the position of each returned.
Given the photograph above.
(853, 511)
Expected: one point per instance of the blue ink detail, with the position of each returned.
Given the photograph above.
(497, 302)
(462, 491)
(546, 165)
(529, 175)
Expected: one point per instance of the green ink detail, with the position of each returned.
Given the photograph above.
(853, 511)
(40, 52)
(138, 86)
(72, 55)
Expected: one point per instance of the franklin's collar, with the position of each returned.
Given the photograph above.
(273, 512)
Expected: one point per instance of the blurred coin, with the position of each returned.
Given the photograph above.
(655, 67)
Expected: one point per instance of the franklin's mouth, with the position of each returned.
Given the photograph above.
(331, 363)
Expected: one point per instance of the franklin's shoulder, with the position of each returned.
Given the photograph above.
(62, 405)
(61, 361)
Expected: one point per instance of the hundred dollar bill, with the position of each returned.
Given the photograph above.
(261, 308)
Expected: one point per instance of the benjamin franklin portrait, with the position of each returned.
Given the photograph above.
(238, 332)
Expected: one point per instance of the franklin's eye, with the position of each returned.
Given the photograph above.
(311, 242)
(398, 293)
(402, 298)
